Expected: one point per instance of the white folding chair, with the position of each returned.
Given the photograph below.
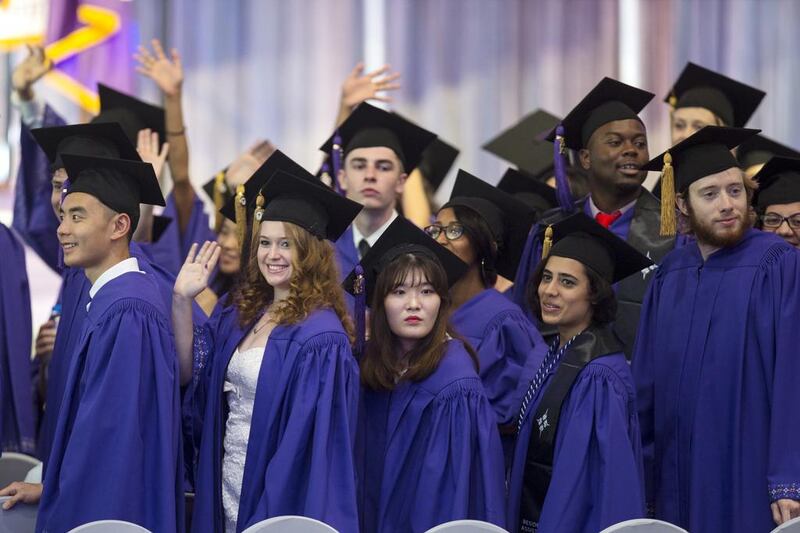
(19, 519)
(109, 526)
(290, 524)
(792, 526)
(644, 525)
(15, 466)
(467, 526)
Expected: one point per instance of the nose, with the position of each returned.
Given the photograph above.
(726, 202)
(550, 287)
(63, 228)
(784, 230)
(413, 301)
(369, 172)
(442, 238)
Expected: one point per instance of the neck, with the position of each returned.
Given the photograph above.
(369, 220)
(610, 201)
(706, 249)
(566, 333)
(278, 295)
(466, 287)
(116, 255)
(404, 346)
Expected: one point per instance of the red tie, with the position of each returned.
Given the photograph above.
(605, 219)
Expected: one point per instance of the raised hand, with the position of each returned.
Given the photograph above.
(194, 274)
(166, 72)
(248, 162)
(147, 146)
(359, 87)
(30, 70)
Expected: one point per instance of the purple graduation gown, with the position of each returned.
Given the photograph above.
(346, 252)
(17, 419)
(717, 370)
(74, 297)
(510, 348)
(300, 450)
(34, 219)
(429, 452)
(597, 460)
(116, 453)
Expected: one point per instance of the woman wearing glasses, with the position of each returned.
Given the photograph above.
(486, 228)
(777, 199)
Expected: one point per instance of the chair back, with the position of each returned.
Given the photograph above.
(290, 524)
(467, 526)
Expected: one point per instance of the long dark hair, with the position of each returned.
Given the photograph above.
(480, 237)
(601, 295)
(380, 365)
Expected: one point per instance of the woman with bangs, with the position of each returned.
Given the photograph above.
(273, 375)
(427, 450)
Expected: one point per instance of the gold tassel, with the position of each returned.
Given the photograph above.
(673, 100)
(562, 146)
(241, 214)
(668, 222)
(259, 212)
(219, 199)
(548, 241)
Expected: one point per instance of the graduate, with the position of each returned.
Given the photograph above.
(107, 140)
(428, 450)
(116, 453)
(611, 142)
(485, 228)
(716, 366)
(373, 151)
(777, 200)
(701, 97)
(17, 417)
(274, 377)
(577, 464)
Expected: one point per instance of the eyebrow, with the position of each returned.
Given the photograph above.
(76, 210)
(364, 160)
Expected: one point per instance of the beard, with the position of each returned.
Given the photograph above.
(707, 234)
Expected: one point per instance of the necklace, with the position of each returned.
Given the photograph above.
(258, 328)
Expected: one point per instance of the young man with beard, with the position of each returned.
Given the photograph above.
(715, 364)
(378, 150)
(611, 142)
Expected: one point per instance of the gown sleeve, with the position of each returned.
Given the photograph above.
(462, 473)
(643, 367)
(125, 417)
(510, 353)
(776, 308)
(597, 466)
(301, 437)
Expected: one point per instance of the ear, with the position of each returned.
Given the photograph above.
(585, 158)
(400, 185)
(340, 177)
(121, 226)
(681, 201)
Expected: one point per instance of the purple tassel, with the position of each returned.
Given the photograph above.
(563, 193)
(360, 311)
(337, 156)
(64, 190)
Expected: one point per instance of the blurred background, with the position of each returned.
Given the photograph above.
(273, 69)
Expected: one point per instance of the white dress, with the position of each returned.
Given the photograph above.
(241, 380)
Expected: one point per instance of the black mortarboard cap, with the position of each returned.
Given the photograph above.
(525, 188)
(399, 238)
(704, 153)
(95, 140)
(580, 238)
(522, 144)
(758, 149)
(508, 218)
(730, 100)
(369, 126)
(160, 225)
(117, 106)
(610, 100)
(119, 184)
(778, 182)
(437, 159)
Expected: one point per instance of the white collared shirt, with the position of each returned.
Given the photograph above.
(373, 238)
(594, 209)
(123, 267)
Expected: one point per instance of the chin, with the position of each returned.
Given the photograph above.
(229, 267)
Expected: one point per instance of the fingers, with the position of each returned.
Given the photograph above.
(207, 252)
(379, 71)
(176, 58)
(191, 254)
(776, 514)
(13, 491)
(162, 155)
(158, 49)
(388, 79)
(214, 258)
(786, 514)
(357, 70)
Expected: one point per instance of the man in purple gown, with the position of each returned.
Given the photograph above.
(715, 364)
(116, 453)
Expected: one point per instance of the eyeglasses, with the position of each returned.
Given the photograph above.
(774, 220)
(452, 231)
